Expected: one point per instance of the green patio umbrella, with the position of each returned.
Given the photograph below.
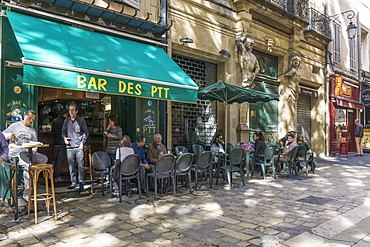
(228, 94)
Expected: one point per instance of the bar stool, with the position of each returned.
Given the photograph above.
(88, 165)
(34, 171)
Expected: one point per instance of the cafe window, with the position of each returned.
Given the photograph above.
(340, 122)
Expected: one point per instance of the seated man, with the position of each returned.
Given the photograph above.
(290, 144)
(138, 147)
(19, 133)
(156, 149)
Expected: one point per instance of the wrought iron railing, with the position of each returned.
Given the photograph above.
(296, 7)
(300, 8)
(319, 22)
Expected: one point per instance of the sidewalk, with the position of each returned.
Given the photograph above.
(328, 208)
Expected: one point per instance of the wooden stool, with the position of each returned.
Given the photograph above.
(34, 171)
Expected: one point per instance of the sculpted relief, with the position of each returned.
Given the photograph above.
(247, 60)
(294, 76)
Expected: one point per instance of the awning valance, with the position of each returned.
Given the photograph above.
(62, 56)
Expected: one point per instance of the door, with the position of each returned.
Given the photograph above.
(351, 131)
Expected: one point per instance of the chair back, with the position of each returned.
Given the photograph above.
(165, 163)
(229, 147)
(184, 162)
(301, 152)
(269, 153)
(236, 156)
(100, 161)
(274, 147)
(130, 164)
(204, 159)
(181, 149)
(293, 153)
(197, 149)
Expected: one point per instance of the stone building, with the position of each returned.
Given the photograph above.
(281, 30)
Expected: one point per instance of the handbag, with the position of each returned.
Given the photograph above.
(117, 165)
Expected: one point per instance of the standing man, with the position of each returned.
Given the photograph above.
(59, 145)
(138, 148)
(359, 133)
(19, 133)
(4, 148)
(75, 134)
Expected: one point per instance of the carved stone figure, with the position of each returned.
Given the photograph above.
(270, 43)
(294, 77)
(247, 60)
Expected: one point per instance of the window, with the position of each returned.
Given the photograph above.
(352, 54)
(336, 43)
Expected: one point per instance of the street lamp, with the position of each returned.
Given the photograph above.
(351, 28)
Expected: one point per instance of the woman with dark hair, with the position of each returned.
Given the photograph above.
(259, 148)
(114, 135)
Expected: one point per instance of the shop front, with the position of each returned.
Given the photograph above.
(49, 64)
(344, 107)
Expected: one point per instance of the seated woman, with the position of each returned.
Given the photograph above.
(121, 153)
(259, 148)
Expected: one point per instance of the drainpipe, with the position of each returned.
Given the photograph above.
(359, 66)
(162, 103)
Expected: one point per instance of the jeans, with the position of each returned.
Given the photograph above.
(59, 154)
(76, 154)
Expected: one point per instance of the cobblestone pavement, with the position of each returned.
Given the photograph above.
(328, 208)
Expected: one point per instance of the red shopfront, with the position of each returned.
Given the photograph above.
(344, 108)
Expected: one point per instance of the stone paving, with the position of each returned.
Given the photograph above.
(328, 208)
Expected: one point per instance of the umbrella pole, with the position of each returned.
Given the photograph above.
(225, 126)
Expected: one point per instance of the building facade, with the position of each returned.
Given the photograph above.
(281, 32)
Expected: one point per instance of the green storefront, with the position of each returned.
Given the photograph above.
(43, 53)
(263, 116)
(45, 64)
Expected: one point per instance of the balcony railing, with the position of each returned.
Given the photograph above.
(319, 22)
(295, 7)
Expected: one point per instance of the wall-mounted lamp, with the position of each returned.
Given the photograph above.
(225, 53)
(351, 28)
(186, 40)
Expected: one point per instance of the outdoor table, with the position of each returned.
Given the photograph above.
(13, 180)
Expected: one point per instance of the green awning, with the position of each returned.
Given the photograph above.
(60, 56)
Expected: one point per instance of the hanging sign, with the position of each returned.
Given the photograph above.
(365, 97)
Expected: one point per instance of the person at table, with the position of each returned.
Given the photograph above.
(76, 136)
(114, 135)
(301, 140)
(20, 133)
(218, 145)
(60, 150)
(4, 148)
(259, 148)
(156, 149)
(290, 144)
(138, 147)
(121, 153)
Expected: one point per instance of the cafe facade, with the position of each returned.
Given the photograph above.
(49, 60)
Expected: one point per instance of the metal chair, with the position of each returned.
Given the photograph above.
(181, 150)
(303, 156)
(164, 168)
(234, 163)
(197, 150)
(100, 162)
(291, 163)
(268, 160)
(182, 167)
(203, 164)
(129, 170)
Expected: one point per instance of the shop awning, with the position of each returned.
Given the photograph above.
(349, 104)
(62, 56)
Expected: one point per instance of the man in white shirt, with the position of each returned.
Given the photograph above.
(19, 133)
